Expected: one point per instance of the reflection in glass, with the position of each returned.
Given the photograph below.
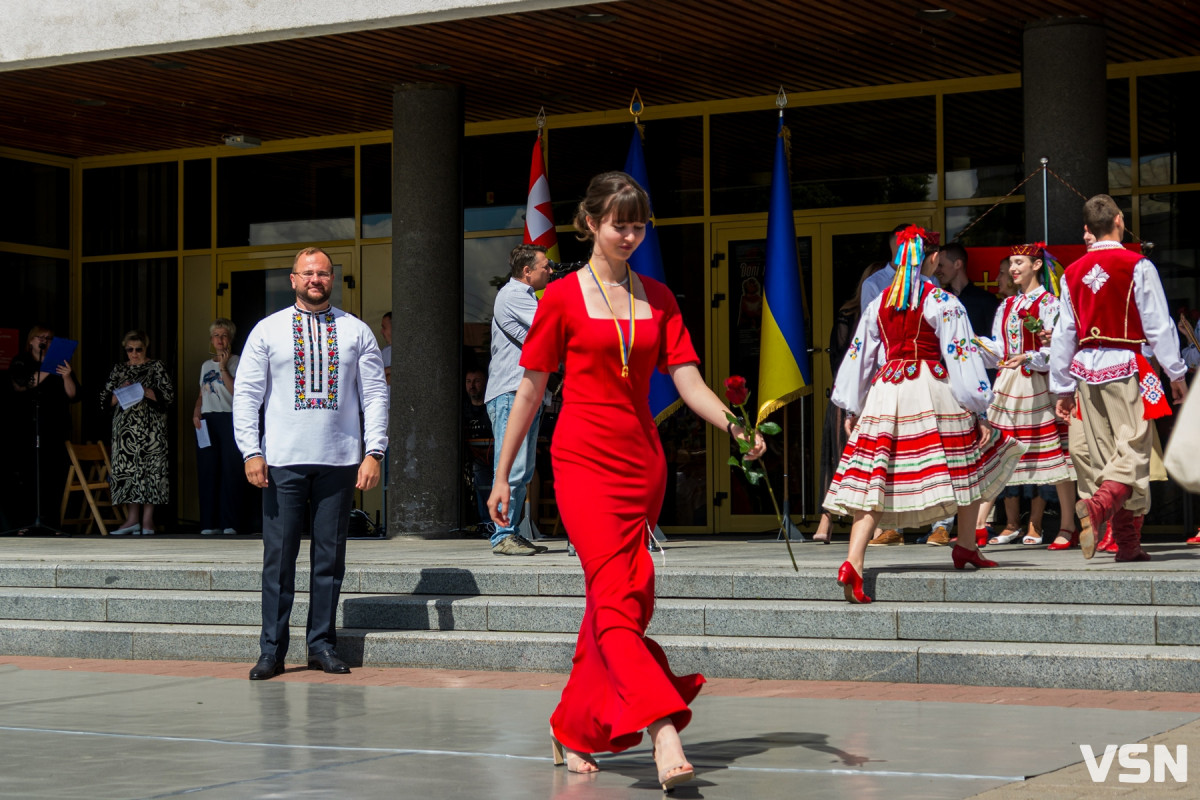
(197, 204)
(1117, 135)
(35, 206)
(375, 183)
(747, 266)
(1168, 149)
(847, 154)
(983, 140)
(674, 163)
(131, 209)
(43, 287)
(1003, 226)
(280, 198)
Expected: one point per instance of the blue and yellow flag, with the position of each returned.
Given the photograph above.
(647, 260)
(784, 371)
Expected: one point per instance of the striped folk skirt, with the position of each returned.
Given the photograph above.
(1023, 407)
(916, 456)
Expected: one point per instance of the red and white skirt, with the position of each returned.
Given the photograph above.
(1023, 407)
(916, 456)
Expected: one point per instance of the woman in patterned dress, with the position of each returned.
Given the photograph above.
(920, 450)
(1022, 404)
(139, 436)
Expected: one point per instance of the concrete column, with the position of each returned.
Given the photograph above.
(425, 480)
(1063, 77)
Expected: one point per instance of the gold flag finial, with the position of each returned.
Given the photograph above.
(541, 120)
(781, 99)
(636, 107)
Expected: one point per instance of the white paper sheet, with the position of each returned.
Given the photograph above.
(129, 396)
(202, 439)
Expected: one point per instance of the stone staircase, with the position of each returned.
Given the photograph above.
(1070, 628)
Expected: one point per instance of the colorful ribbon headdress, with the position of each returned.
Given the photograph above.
(1052, 268)
(905, 291)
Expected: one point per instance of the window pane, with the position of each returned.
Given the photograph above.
(673, 149)
(35, 206)
(984, 143)
(281, 198)
(1002, 227)
(197, 204)
(43, 286)
(375, 182)
(1169, 221)
(849, 154)
(496, 181)
(123, 296)
(1168, 149)
(1117, 127)
(130, 209)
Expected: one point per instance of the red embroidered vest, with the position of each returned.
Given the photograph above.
(1029, 340)
(1101, 287)
(908, 341)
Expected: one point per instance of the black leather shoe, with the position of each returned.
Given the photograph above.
(327, 660)
(267, 667)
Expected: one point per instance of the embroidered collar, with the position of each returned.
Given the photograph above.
(324, 310)
(1106, 244)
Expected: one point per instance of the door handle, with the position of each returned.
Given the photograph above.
(221, 287)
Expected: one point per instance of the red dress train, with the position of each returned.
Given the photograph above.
(609, 479)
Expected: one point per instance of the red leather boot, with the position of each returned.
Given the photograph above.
(1094, 513)
(1127, 530)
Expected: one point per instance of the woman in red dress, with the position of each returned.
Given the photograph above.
(611, 328)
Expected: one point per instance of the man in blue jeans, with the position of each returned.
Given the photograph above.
(512, 315)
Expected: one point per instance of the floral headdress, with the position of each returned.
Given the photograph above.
(1052, 268)
(905, 291)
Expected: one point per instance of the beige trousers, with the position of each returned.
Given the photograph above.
(1112, 441)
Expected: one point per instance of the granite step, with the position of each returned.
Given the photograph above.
(957, 622)
(1103, 585)
(1078, 666)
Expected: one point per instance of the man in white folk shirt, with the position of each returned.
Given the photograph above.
(315, 368)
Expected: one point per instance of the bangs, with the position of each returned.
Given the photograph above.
(630, 204)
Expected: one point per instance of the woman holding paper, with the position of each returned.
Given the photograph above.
(138, 393)
(42, 392)
(219, 470)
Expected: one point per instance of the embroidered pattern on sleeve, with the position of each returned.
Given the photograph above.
(855, 349)
(961, 349)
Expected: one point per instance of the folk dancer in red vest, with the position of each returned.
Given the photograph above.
(1022, 404)
(919, 449)
(1112, 304)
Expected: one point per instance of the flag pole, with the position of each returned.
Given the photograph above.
(786, 528)
(1045, 203)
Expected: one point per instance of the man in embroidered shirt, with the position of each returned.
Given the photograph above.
(314, 369)
(1112, 304)
(512, 315)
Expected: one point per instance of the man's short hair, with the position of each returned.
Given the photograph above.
(388, 315)
(522, 256)
(309, 251)
(955, 252)
(1100, 215)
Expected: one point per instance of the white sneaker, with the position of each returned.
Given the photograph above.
(132, 529)
(229, 532)
(210, 531)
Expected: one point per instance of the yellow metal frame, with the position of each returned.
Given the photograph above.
(821, 218)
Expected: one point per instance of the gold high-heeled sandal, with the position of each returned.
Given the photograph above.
(669, 784)
(560, 753)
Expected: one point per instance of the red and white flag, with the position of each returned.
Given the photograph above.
(539, 216)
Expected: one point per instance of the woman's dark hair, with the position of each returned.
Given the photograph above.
(614, 192)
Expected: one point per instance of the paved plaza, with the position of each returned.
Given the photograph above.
(97, 730)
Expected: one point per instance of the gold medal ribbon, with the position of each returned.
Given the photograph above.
(626, 346)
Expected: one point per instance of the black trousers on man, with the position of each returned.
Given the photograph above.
(300, 497)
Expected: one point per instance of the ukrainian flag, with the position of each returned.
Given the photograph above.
(784, 371)
(647, 260)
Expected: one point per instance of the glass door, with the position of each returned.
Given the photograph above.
(251, 288)
(737, 324)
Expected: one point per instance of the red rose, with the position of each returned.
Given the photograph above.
(1023, 313)
(735, 390)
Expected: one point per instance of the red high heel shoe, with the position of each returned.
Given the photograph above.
(1072, 540)
(851, 583)
(962, 556)
(981, 537)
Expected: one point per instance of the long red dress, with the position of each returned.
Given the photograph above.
(609, 479)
